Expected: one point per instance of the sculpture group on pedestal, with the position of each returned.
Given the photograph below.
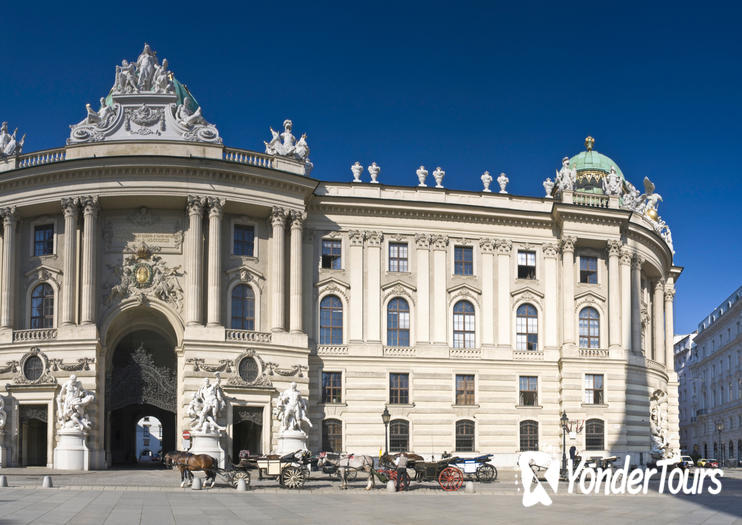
(9, 144)
(72, 405)
(285, 144)
(658, 405)
(206, 407)
(291, 410)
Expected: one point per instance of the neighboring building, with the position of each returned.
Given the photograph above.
(149, 436)
(145, 256)
(683, 353)
(711, 384)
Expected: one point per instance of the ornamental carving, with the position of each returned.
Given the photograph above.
(297, 219)
(145, 274)
(614, 248)
(142, 217)
(504, 246)
(374, 238)
(90, 204)
(215, 206)
(10, 367)
(278, 216)
(659, 286)
(70, 206)
(261, 378)
(195, 204)
(199, 364)
(636, 262)
(81, 364)
(439, 242)
(399, 289)
(568, 243)
(626, 256)
(550, 250)
(669, 293)
(356, 237)
(34, 369)
(487, 245)
(422, 240)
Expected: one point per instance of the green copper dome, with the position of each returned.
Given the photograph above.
(591, 160)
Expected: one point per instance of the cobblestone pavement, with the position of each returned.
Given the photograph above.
(149, 497)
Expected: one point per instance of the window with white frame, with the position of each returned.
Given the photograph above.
(398, 257)
(244, 240)
(43, 239)
(464, 335)
(42, 306)
(526, 264)
(331, 254)
(588, 269)
(594, 389)
(463, 260)
(528, 391)
(398, 323)
(589, 328)
(526, 328)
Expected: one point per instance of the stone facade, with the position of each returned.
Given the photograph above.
(708, 365)
(146, 263)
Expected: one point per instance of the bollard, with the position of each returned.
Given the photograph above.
(3, 481)
(47, 483)
(241, 485)
(469, 488)
(390, 486)
(196, 483)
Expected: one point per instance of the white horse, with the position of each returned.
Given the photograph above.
(345, 462)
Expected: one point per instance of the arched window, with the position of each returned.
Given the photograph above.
(465, 436)
(526, 328)
(243, 308)
(330, 321)
(528, 435)
(42, 306)
(399, 436)
(589, 328)
(594, 434)
(463, 325)
(398, 323)
(332, 435)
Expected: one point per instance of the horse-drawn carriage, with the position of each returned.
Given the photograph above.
(291, 469)
(444, 471)
(478, 467)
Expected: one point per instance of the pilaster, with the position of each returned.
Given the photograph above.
(355, 268)
(194, 288)
(625, 264)
(614, 294)
(373, 285)
(487, 251)
(504, 250)
(636, 294)
(658, 306)
(551, 295)
(278, 221)
(70, 208)
(422, 306)
(8, 277)
(214, 313)
(296, 325)
(568, 289)
(440, 277)
(90, 208)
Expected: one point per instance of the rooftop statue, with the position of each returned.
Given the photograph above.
(648, 200)
(146, 102)
(612, 183)
(285, 144)
(565, 177)
(9, 145)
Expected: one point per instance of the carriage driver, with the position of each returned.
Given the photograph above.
(401, 464)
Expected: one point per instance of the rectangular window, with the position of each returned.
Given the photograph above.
(398, 257)
(244, 240)
(332, 387)
(593, 389)
(331, 250)
(43, 240)
(589, 270)
(528, 391)
(464, 389)
(463, 260)
(399, 389)
(526, 265)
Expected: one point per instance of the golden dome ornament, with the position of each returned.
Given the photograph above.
(589, 143)
(652, 214)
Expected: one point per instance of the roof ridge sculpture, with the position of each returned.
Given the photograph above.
(146, 102)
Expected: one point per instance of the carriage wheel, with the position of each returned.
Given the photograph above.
(237, 476)
(450, 479)
(486, 473)
(293, 477)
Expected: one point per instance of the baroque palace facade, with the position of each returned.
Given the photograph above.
(145, 256)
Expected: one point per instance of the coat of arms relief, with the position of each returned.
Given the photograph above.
(144, 274)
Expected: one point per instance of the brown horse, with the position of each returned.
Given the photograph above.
(177, 458)
(194, 463)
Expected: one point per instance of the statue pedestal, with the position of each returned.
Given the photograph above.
(291, 441)
(207, 443)
(71, 452)
(3, 454)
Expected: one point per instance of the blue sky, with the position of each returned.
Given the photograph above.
(464, 86)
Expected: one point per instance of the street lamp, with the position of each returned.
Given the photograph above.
(719, 428)
(385, 417)
(564, 419)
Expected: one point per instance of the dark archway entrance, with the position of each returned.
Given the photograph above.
(142, 382)
(247, 430)
(33, 422)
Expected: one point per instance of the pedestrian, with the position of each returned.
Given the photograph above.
(401, 464)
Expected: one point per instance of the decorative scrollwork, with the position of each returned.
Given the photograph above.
(44, 377)
(296, 370)
(10, 367)
(143, 382)
(82, 364)
(198, 364)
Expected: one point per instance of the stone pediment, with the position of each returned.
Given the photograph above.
(44, 273)
(330, 281)
(527, 291)
(146, 102)
(464, 289)
(589, 295)
(399, 287)
(246, 274)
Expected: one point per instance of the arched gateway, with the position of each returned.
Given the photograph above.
(141, 381)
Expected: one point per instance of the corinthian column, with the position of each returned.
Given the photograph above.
(568, 288)
(658, 352)
(669, 325)
(295, 288)
(440, 321)
(551, 295)
(355, 268)
(625, 263)
(614, 294)
(214, 313)
(422, 307)
(487, 249)
(8, 278)
(636, 304)
(70, 209)
(194, 288)
(373, 285)
(504, 249)
(278, 274)
(90, 209)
